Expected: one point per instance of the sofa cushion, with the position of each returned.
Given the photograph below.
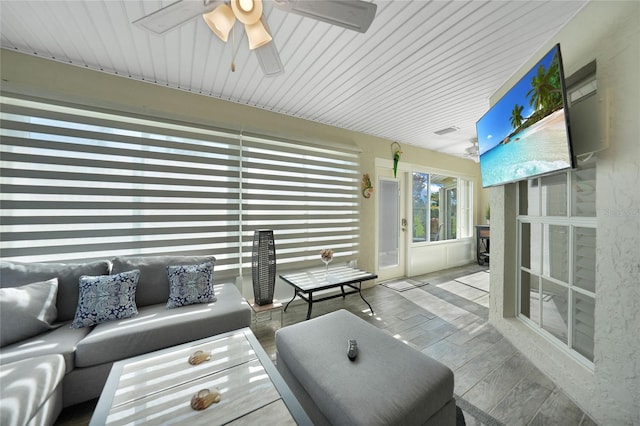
(27, 311)
(106, 298)
(13, 274)
(153, 284)
(157, 327)
(62, 340)
(31, 390)
(190, 284)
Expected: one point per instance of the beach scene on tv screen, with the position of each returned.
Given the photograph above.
(525, 133)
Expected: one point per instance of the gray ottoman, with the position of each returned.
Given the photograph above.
(389, 383)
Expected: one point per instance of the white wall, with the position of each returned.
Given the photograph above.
(441, 255)
(608, 31)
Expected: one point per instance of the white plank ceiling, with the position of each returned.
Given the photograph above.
(422, 66)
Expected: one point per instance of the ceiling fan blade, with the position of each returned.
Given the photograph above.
(355, 15)
(174, 15)
(268, 56)
(269, 59)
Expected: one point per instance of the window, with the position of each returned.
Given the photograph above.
(438, 203)
(557, 247)
(308, 195)
(78, 185)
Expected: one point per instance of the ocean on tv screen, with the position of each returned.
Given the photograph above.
(539, 149)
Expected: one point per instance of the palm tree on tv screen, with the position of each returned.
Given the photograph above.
(545, 95)
(516, 116)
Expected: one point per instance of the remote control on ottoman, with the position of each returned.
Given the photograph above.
(352, 350)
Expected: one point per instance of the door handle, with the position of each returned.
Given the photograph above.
(404, 224)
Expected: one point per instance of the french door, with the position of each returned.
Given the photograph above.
(392, 226)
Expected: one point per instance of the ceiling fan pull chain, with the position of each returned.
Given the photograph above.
(233, 50)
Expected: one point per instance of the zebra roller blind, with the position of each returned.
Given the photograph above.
(307, 194)
(77, 184)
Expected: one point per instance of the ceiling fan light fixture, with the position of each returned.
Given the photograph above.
(220, 20)
(247, 11)
(246, 5)
(257, 34)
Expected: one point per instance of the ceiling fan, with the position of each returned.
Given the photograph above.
(220, 16)
(472, 151)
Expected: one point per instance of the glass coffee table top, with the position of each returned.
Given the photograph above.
(307, 282)
(157, 388)
(323, 279)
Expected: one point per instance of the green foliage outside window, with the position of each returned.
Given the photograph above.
(420, 192)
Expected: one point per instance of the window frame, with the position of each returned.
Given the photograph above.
(464, 202)
(572, 223)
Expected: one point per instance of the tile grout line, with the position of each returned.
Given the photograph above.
(505, 397)
(539, 409)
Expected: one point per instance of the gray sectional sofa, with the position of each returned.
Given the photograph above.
(71, 365)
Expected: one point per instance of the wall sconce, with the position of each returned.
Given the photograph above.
(367, 188)
(396, 150)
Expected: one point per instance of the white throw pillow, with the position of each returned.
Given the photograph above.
(27, 311)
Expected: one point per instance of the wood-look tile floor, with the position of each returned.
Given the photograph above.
(447, 319)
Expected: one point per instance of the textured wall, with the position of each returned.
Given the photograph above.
(610, 393)
(617, 351)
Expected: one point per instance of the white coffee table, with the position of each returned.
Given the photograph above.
(157, 388)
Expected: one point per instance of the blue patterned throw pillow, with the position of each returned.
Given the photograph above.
(190, 284)
(106, 298)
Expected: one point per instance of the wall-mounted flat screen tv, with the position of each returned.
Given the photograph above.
(526, 133)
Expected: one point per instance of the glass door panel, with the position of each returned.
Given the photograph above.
(389, 224)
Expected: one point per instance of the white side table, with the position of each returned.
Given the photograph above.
(262, 309)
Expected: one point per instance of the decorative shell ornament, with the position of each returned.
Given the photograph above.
(204, 398)
(198, 357)
(367, 188)
(326, 255)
